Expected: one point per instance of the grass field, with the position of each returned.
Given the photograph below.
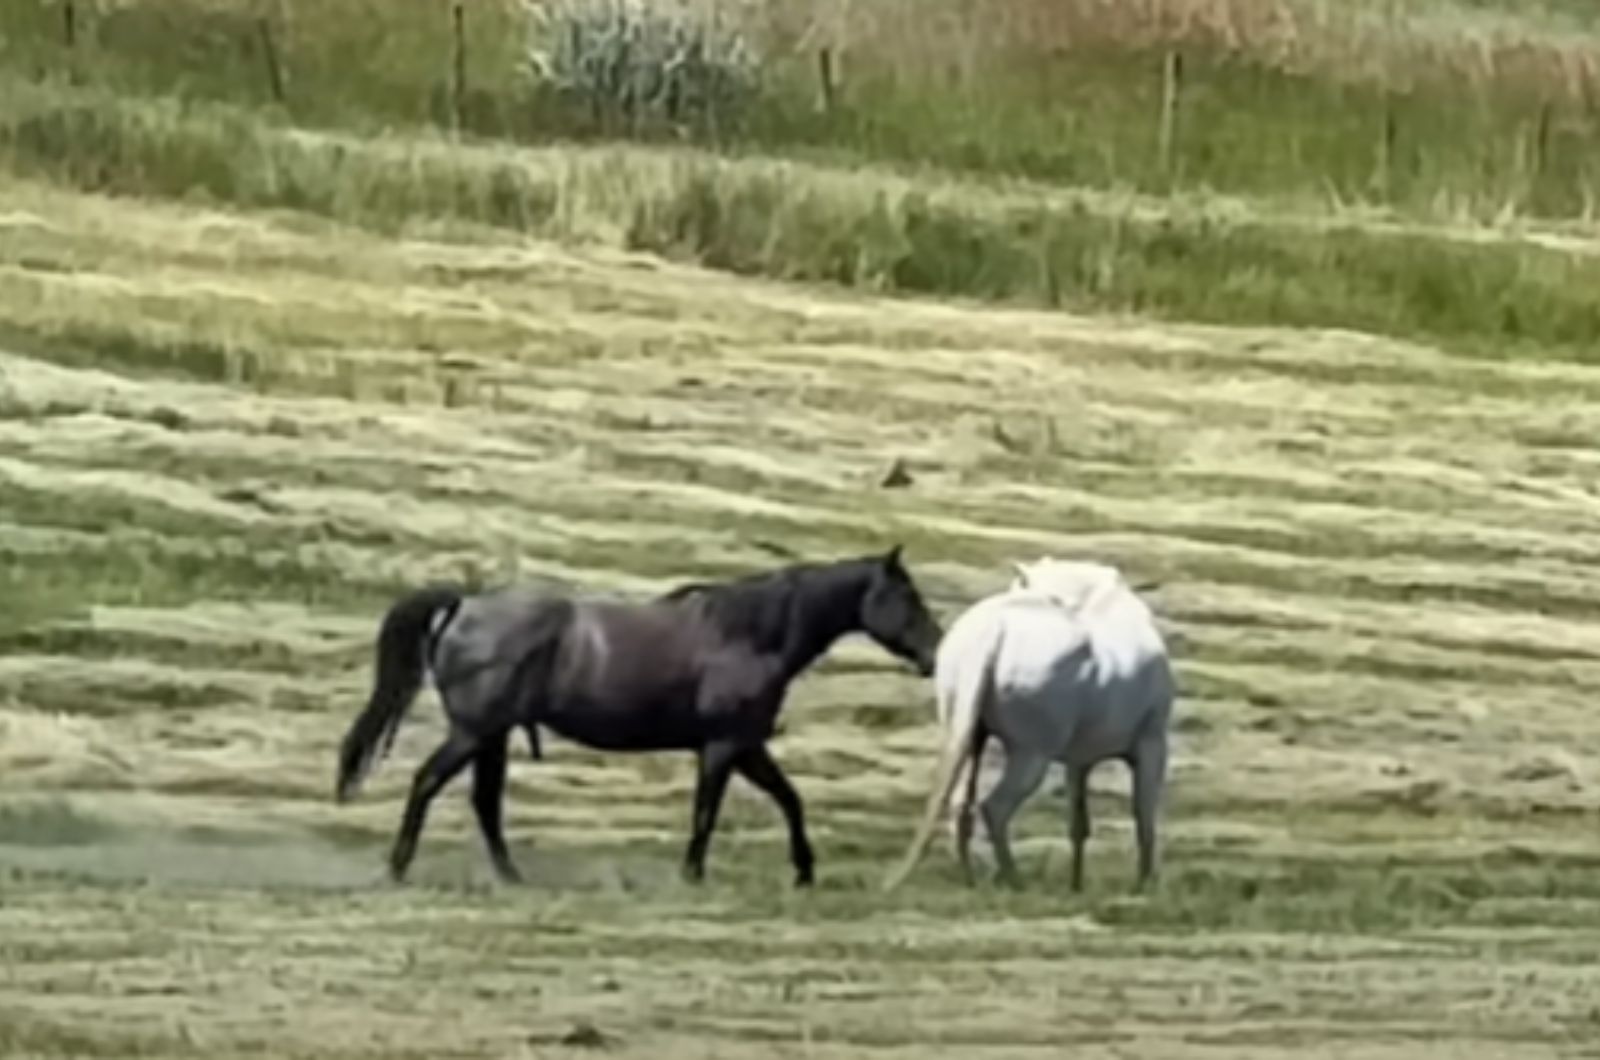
(227, 437)
(263, 367)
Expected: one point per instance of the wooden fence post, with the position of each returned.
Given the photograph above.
(1539, 163)
(825, 82)
(1171, 88)
(1541, 140)
(69, 38)
(269, 55)
(458, 68)
(1388, 141)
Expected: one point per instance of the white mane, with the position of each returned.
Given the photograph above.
(1121, 628)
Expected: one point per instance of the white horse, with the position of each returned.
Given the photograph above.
(1066, 665)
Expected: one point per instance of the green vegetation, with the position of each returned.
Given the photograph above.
(1471, 106)
(1502, 294)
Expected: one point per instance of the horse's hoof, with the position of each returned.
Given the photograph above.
(804, 879)
(506, 871)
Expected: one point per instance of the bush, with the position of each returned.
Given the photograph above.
(643, 62)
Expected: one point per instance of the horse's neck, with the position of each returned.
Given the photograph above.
(826, 612)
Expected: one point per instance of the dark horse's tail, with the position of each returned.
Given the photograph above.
(402, 640)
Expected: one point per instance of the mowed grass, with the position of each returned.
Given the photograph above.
(226, 439)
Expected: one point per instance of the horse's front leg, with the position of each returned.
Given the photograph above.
(716, 760)
(488, 792)
(757, 766)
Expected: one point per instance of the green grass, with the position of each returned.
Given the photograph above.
(1302, 117)
(1496, 295)
(1244, 128)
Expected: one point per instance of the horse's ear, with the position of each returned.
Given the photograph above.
(892, 559)
(1021, 572)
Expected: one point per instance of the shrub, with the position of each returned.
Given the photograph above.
(645, 62)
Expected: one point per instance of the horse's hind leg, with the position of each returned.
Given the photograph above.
(488, 790)
(758, 767)
(968, 789)
(1025, 770)
(1078, 793)
(448, 759)
(1149, 778)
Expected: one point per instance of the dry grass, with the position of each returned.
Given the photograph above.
(1547, 51)
(1376, 573)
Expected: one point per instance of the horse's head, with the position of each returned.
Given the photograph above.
(894, 615)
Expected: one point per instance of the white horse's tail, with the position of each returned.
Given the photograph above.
(972, 694)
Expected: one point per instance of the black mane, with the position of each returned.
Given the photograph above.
(761, 607)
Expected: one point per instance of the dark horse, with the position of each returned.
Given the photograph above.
(703, 668)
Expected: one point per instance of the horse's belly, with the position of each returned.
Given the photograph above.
(1108, 735)
(640, 725)
(1073, 720)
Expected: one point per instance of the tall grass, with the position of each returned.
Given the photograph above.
(866, 229)
(1463, 108)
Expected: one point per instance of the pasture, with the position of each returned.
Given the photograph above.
(1375, 572)
(256, 380)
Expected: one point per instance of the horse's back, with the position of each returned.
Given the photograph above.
(651, 627)
(482, 650)
(496, 625)
(1030, 629)
(1009, 642)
